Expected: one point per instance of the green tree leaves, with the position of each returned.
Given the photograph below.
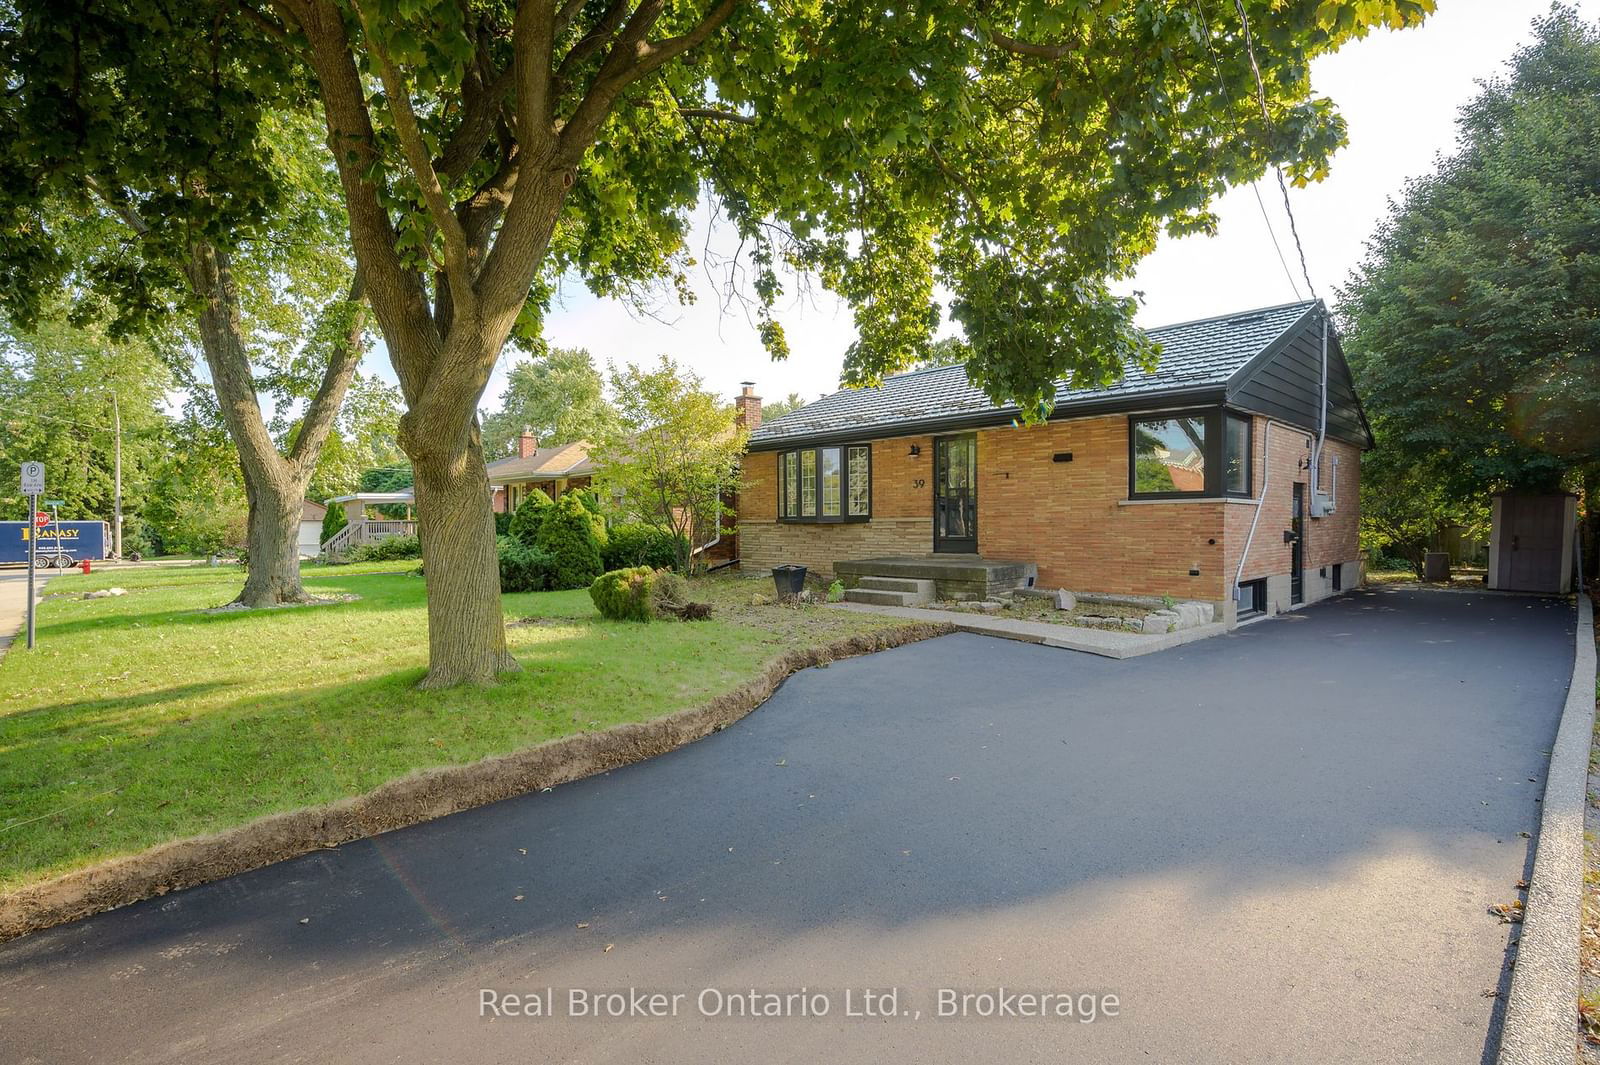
(1472, 323)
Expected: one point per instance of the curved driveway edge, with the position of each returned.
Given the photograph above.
(1541, 1021)
(421, 796)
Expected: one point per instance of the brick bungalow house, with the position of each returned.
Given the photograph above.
(1160, 484)
(553, 470)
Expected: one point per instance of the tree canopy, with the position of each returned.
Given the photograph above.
(1022, 156)
(1473, 325)
(559, 394)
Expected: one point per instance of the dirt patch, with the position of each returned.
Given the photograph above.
(409, 800)
(320, 600)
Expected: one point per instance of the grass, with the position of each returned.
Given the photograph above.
(141, 718)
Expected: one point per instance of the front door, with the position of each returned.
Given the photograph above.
(955, 493)
(1297, 546)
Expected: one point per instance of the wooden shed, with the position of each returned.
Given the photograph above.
(1532, 542)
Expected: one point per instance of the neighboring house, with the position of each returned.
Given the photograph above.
(1150, 486)
(311, 515)
(552, 470)
(366, 524)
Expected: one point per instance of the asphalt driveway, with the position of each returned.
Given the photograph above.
(1278, 845)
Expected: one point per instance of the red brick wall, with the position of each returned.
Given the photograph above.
(1074, 521)
(1327, 540)
(902, 514)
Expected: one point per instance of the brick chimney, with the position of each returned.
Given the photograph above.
(748, 405)
(527, 443)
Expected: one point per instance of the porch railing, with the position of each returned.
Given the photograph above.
(357, 533)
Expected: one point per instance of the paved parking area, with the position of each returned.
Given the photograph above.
(1276, 845)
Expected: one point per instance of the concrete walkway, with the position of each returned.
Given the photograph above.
(1275, 846)
(14, 604)
(1108, 643)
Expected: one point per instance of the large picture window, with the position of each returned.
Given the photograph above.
(1189, 453)
(825, 484)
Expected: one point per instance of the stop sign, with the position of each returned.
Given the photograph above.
(41, 519)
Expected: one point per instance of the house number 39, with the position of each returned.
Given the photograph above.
(919, 483)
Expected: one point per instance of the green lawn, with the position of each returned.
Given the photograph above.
(141, 718)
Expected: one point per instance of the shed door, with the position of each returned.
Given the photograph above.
(1531, 542)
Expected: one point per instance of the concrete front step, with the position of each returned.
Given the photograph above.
(878, 597)
(910, 585)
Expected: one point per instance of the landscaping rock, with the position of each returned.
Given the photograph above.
(1133, 624)
(1063, 599)
(988, 606)
(105, 593)
(1159, 622)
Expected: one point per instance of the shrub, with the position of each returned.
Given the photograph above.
(522, 568)
(625, 594)
(529, 516)
(502, 523)
(389, 550)
(567, 535)
(333, 521)
(637, 543)
(670, 589)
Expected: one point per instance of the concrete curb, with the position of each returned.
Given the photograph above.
(1541, 1021)
(1102, 642)
(422, 796)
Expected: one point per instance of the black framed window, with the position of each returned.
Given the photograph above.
(1250, 598)
(825, 484)
(1192, 453)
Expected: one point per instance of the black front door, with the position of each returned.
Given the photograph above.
(955, 493)
(1297, 548)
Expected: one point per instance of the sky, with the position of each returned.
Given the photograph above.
(1398, 91)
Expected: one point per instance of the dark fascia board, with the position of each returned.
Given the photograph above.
(1244, 373)
(1166, 399)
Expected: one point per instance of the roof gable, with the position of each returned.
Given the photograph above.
(1285, 382)
(1198, 359)
(567, 460)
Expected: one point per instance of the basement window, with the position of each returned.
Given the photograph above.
(1250, 598)
(825, 484)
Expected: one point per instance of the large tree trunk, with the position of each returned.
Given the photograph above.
(272, 569)
(466, 627)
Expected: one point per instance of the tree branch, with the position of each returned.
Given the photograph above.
(420, 161)
(716, 116)
(533, 48)
(122, 210)
(394, 290)
(1029, 48)
(631, 57)
(324, 406)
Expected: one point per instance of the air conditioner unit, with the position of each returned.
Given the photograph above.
(1322, 505)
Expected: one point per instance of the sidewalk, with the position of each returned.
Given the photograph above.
(1105, 642)
(14, 604)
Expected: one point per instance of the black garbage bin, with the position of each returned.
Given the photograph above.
(789, 580)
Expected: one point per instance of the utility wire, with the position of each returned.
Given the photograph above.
(1283, 187)
(1255, 187)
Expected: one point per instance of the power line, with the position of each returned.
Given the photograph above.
(1255, 187)
(1283, 187)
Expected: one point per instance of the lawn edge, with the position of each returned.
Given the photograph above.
(412, 799)
(1541, 1019)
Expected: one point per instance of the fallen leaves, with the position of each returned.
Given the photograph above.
(1508, 912)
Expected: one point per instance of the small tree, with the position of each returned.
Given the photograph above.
(334, 520)
(675, 454)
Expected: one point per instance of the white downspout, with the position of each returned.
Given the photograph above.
(1266, 480)
(1322, 416)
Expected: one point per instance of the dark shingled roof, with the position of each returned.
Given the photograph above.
(1194, 356)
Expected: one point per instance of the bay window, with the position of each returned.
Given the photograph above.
(825, 484)
(1198, 453)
